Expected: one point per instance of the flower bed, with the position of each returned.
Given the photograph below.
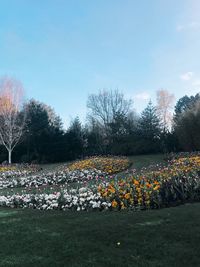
(131, 192)
(17, 170)
(48, 178)
(35, 180)
(74, 199)
(81, 171)
(175, 156)
(84, 174)
(177, 183)
(109, 165)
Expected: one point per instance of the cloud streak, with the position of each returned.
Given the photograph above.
(186, 76)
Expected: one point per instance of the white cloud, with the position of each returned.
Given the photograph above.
(196, 83)
(143, 96)
(186, 76)
(189, 26)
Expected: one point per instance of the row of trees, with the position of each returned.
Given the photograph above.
(34, 133)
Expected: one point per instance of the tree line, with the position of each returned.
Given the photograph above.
(32, 132)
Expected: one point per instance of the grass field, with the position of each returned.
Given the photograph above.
(141, 161)
(156, 238)
(168, 237)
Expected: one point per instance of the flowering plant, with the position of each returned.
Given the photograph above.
(109, 165)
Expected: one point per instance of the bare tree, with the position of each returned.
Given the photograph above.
(105, 105)
(11, 118)
(165, 104)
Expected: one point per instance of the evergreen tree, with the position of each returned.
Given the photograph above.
(75, 140)
(149, 130)
(42, 140)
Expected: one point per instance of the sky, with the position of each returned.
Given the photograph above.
(64, 50)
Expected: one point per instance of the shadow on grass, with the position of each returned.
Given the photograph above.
(167, 237)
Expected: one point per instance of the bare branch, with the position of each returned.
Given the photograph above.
(11, 124)
(107, 104)
(165, 104)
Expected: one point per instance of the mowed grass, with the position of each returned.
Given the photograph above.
(159, 238)
(156, 238)
(140, 161)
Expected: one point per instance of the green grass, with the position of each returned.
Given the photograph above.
(156, 238)
(160, 238)
(140, 161)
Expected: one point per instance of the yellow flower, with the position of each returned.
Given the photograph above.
(156, 187)
(138, 189)
(106, 164)
(122, 205)
(105, 194)
(140, 200)
(111, 190)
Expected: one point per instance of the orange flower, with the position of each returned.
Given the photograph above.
(114, 203)
(111, 190)
(127, 195)
(148, 185)
(99, 188)
(136, 182)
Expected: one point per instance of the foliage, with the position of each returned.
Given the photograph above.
(187, 128)
(75, 140)
(149, 130)
(43, 138)
(185, 103)
(111, 129)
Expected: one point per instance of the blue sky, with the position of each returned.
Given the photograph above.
(63, 50)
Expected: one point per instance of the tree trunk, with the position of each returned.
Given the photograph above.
(9, 156)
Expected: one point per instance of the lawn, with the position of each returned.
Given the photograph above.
(141, 161)
(167, 237)
(153, 238)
